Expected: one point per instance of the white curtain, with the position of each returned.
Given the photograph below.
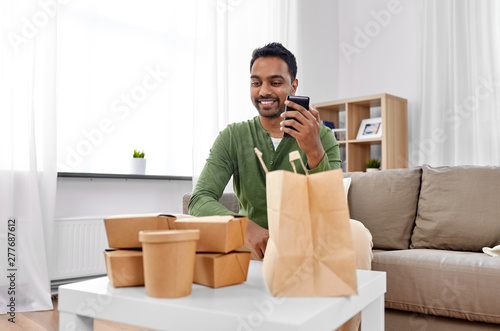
(28, 158)
(227, 32)
(460, 92)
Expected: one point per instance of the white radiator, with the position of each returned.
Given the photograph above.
(79, 248)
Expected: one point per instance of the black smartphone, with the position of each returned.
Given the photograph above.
(300, 100)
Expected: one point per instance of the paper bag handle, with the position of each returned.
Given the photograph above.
(293, 156)
(259, 155)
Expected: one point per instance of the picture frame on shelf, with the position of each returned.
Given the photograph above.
(340, 134)
(370, 128)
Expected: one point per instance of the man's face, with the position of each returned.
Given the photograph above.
(270, 84)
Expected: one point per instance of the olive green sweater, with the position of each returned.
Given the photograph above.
(232, 154)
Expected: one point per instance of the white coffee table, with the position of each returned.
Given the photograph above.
(245, 307)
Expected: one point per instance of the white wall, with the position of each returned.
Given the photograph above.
(379, 48)
(353, 48)
(379, 53)
(77, 197)
(318, 56)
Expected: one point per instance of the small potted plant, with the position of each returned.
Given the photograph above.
(372, 165)
(138, 163)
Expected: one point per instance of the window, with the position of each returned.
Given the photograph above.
(125, 82)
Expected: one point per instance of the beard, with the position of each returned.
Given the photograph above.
(269, 112)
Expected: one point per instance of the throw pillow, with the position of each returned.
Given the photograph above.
(386, 203)
(458, 208)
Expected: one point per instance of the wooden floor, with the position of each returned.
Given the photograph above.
(49, 321)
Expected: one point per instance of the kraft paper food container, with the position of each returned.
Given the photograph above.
(218, 234)
(169, 262)
(124, 267)
(217, 270)
(123, 230)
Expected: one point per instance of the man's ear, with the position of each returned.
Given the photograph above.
(295, 84)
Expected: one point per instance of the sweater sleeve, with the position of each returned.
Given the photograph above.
(212, 181)
(331, 160)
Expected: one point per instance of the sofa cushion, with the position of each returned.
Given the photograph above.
(443, 283)
(386, 203)
(458, 208)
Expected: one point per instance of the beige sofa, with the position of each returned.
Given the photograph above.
(429, 226)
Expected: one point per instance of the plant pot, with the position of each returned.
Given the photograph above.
(372, 169)
(137, 166)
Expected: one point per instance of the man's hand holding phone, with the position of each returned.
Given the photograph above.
(303, 123)
(297, 104)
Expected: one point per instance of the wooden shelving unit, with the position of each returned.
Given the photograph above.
(394, 140)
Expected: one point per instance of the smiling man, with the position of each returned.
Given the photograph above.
(272, 79)
(273, 71)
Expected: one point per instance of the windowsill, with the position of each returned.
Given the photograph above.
(119, 176)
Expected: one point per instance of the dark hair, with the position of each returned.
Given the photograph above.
(276, 50)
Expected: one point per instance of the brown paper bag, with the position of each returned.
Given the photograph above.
(310, 250)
